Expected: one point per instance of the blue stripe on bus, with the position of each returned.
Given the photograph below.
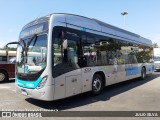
(137, 70)
(28, 84)
(133, 71)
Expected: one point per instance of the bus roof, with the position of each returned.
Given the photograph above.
(93, 26)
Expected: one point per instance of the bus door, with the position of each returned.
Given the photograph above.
(73, 78)
(66, 71)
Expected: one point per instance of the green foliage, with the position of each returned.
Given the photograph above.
(155, 45)
(143, 56)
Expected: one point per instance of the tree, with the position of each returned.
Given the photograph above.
(155, 45)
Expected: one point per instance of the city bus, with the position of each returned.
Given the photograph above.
(7, 62)
(62, 55)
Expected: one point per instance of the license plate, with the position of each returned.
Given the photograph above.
(24, 92)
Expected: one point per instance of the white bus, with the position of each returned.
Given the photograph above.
(8, 52)
(76, 54)
(156, 58)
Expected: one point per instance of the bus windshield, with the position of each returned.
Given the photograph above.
(32, 54)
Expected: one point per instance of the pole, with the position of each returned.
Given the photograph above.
(124, 18)
(124, 21)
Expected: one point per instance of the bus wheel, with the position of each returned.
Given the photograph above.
(3, 76)
(143, 73)
(97, 84)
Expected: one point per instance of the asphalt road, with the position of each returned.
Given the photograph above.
(133, 95)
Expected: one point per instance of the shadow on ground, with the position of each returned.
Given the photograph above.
(87, 98)
(8, 81)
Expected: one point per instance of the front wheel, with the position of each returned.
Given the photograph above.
(143, 73)
(97, 84)
(3, 76)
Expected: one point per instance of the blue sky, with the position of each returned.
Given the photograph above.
(143, 17)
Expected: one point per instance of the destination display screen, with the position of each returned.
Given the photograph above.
(35, 29)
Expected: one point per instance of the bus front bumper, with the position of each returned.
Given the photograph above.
(45, 93)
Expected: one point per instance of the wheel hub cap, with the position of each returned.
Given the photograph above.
(2, 77)
(97, 85)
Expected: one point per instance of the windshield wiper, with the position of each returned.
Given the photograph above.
(25, 48)
(34, 36)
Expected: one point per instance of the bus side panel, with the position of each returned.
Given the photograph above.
(133, 71)
(121, 73)
(73, 85)
(111, 74)
(59, 90)
(149, 68)
(11, 71)
(87, 74)
(68, 84)
(9, 68)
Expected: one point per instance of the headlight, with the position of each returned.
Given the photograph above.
(42, 83)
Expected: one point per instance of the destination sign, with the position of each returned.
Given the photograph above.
(36, 29)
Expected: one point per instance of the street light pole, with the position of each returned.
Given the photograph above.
(124, 18)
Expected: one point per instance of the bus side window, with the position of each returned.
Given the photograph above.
(89, 53)
(4, 58)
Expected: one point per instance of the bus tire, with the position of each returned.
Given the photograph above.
(143, 73)
(97, 84)
(3, 76)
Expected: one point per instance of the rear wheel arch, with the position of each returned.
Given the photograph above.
(102, 75)
(98, 82)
